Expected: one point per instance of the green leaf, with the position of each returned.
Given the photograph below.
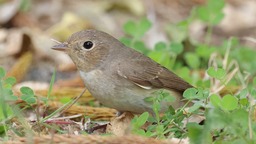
(218, 73)
(160, 129)
(193, 93)
(184, 73)
(149, 99)
(197, 134)
(190, 93)
(28, 95)
(253, 92)
(171, 110)
(169, 98)
(160, 46)
(9, 95)
(27, 91)
(143, 26)
(195, 107)
(204, 51)
(44, 99)
(140, 47)
(65, 100)
(203, 13)
(215, 100)
(240, 117)
(211, 13)
(244, 102)
(2, 130)
(177, 48)
(215, 5)
(130, 28)
(5, 112)
(229, 102)
(192, 60)
(217, 18)
(217, 119)
(126, 41)
(10, 80)
(137, 30)
(179, 32)
(139, 132)
(30, 100)
(2, 72)
(162, 58)
(142, 119)
(203, 83)
(25, 5)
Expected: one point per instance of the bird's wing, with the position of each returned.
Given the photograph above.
(148, 74)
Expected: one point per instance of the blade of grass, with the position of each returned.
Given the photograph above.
(63, 108)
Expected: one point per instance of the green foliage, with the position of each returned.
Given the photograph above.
(197, 134)
(25, 5)
(204, 51)
(193, 93)
(176, 48)
(163, 53)
(6, 94)
(28, 95)
(170, 122)
(245, 58)
(137, 122)
(229, 117)
(192, 60)
(137, 30)
(2, 72)
(7, 110)
(229, 127)
(218, 73)
(228, 102)
(211, 13)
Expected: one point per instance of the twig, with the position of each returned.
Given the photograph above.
(63, 108)
(249, 39)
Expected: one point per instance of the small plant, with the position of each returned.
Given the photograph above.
(229, 114)
(161, 126)
(7, 109)
(135, 32)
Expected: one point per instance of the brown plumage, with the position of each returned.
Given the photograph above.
(118, 76)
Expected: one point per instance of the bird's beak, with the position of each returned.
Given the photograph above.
(60, 47)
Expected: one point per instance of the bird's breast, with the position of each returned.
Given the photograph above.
(113, 91)
(117, 92)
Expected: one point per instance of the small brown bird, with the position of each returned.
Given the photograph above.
(118, 76)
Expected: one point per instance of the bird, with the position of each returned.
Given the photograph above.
(120, 77)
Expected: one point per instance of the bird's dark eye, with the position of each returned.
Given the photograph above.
(88, 45)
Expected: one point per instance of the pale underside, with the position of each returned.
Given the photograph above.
(123, 95)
